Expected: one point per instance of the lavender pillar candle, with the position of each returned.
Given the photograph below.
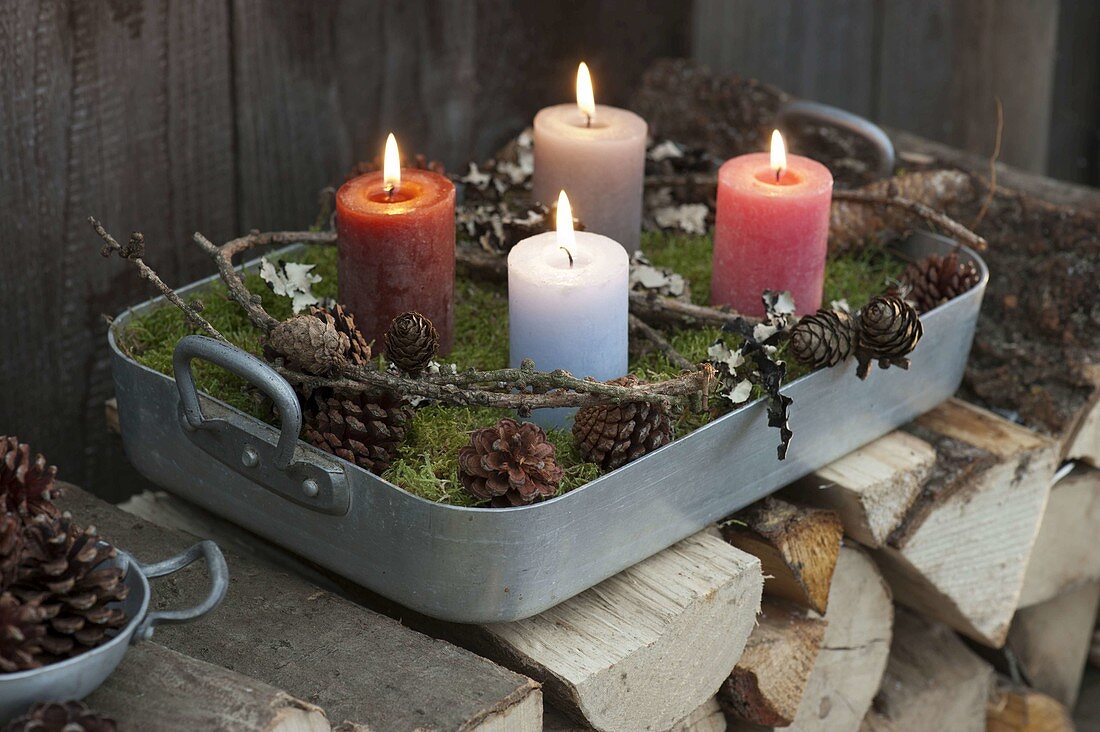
(568, 305)
(597, 154)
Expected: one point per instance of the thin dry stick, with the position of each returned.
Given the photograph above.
(654, 336)
(134, 253)
(505, 388)
(918, 209)
(992, 165)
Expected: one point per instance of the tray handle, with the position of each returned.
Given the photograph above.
(827, 114)
(219, 584)
(248, 367)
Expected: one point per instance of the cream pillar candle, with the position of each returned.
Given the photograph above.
(568, 305)
(597, 154)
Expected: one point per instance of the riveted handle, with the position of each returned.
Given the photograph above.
(826, 114)
(219, 584)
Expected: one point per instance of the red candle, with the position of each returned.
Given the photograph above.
(771, 230)
(396, 238)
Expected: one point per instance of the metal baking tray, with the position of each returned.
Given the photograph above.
(477, 565)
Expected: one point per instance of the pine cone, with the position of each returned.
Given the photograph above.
(61, 569)
(310, 343)
(27, 485)
(889, 329)
(823, 339)
(934, 280)
(11, 548)
(70, 716)
(411, 342)
(509, 464)
(23, 626)
(613, 435)
(360, 428)
(358, 349)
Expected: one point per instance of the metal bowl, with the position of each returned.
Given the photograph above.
(76, 677)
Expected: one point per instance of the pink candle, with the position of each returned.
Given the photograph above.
(771, 230)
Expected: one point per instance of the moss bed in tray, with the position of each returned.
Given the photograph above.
(427, 463)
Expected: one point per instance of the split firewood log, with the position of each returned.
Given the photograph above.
(871, 488)
(768, 682)
(1065, 553)
(933, 682)
(1050, 641)
(849, 666)
(961, 552)
(1020, 709)
(797, 547)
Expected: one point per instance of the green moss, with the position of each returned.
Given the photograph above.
(427, 463)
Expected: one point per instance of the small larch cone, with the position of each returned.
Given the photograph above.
(509, 464)
(823, 339)
(70, 716)
(889, 329)
(26, 483)
(412, 342)
(310, 343)
(23, 626)
(62, 569)
(934, 280)
(612, 435)
(360, 428)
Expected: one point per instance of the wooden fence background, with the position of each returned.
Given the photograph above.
(224, 115)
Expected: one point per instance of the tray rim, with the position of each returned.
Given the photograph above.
(129, 312)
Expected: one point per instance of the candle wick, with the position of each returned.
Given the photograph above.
(568, 254)
(778, 173)
(389, 188)
(587, 120)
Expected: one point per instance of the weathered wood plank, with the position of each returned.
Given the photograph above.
(943, 63)
(353, 663)
(823, 51)
(157, 689)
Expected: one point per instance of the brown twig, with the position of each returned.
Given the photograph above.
(916, 208)
(661, 343)
(655, 308)
(133, 252)
(522, 388)
(992, 165)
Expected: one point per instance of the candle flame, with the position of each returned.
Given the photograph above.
(391, 165)
(586, 99)
(779, 154)
(566, 238)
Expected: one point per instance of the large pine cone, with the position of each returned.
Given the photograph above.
(61, 569)
(889, 329)
(934, 280)
(360, 428)
(509, 464)
(411, 342)
(612, 435)
(358, 349)
(23, 626)
(310, 343)
(11, 548)
(823, 339)
(70, 716)
(26, 484)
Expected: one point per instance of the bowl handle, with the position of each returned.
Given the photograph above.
(219, 583)
(826, 114)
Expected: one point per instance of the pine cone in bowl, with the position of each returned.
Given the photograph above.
(509, 464)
